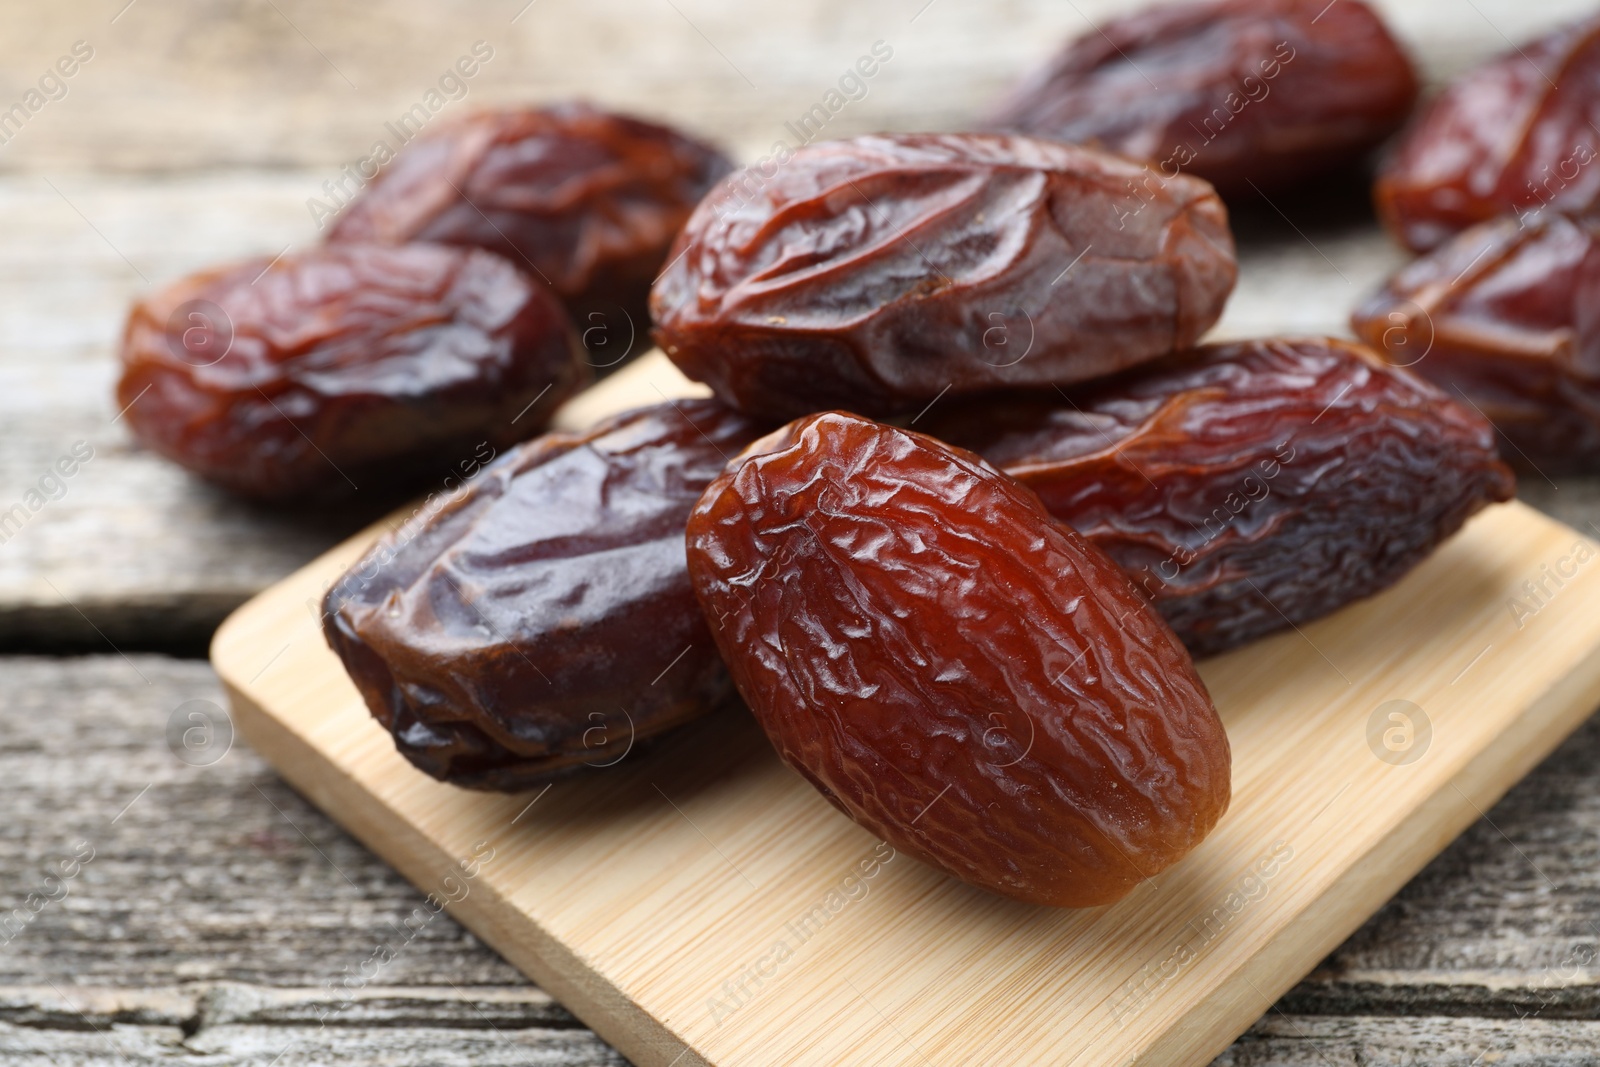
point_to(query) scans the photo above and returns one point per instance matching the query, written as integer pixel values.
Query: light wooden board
(652, 898)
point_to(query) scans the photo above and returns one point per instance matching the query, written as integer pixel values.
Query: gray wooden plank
(219, 904)
(129, 549)
(1283, 1041)
(1301, 1041)
(186, 84)
(220, 911)
(136, 553)
(200, 872)
(198, 133)
(196, 1005)
(227, 1046)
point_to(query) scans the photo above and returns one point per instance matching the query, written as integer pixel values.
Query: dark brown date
(875, 274)
(541, 619)
(968, 679)
(1245, 487)
(1238, 92)
(1507, 316)
(321, 372)
(585, 199)
(1516, 135)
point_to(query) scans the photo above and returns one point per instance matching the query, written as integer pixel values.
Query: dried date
(588, 200)
(1507, 315)
(321, 372)
(1239, 92)
(877, 273)
(1515, 135)
(540, 619)
(1247, 487)
(966, 678)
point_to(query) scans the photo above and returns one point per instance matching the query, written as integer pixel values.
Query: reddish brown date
(1507, 316)
(1238, 92)
(878, 273)
(585, 199)
(1516, 135)
(540, 619)
(968, 679)
(1247, 487)
(322, 372)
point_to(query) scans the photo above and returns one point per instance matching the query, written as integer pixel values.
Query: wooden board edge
(1357, 894)
(597, 1003)
(1206, 1029)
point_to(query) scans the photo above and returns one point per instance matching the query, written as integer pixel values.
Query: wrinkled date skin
(587, 200)
(1233, 91)
(1245, 487)
(1515, 135)
(955, 671)
(875, 274)
(1507, 315)
(326, 371)
(541, 619)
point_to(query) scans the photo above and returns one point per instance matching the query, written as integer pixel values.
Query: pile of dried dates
(970, 492)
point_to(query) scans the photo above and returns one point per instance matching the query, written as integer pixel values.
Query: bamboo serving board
(698, 903)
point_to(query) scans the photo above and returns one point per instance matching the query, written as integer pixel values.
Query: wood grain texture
(666, 900)
(198, 132)
(130, 550)
(137, 554)
(210, 909)
(189, 84)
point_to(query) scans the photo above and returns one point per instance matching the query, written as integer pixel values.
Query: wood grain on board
(671, 901)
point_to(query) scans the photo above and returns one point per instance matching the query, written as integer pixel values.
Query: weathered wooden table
(204, 914)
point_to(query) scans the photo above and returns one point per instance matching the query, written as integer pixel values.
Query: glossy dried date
(1245, 487)
(1234, 91)
(966, 678)
(321, 372)
(877, 273)
(541, 619)
(1516, 135)
(585, 199)
(1507, 315)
